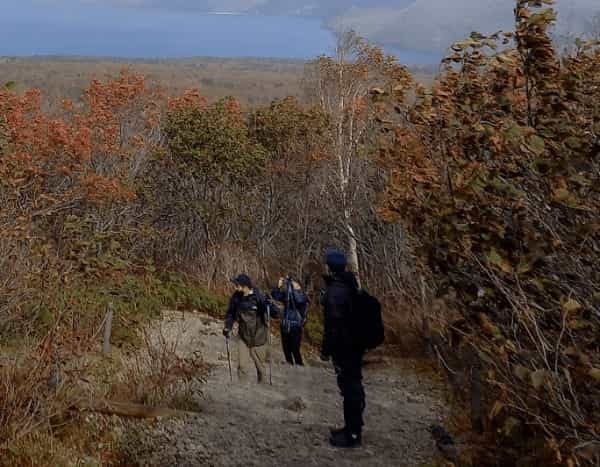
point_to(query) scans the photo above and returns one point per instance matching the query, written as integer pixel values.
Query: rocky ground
(287, 423)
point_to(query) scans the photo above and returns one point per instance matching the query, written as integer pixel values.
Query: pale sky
(421, 25)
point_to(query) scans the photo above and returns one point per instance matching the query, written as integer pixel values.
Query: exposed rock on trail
(287, 424)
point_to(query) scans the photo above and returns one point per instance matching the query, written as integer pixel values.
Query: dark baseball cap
(243, 280)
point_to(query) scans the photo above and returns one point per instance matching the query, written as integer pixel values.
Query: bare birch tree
(350, 88)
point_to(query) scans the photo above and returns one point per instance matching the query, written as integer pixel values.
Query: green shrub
(135, 299)
(313, 330)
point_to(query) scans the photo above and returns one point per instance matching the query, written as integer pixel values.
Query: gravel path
(287, 424)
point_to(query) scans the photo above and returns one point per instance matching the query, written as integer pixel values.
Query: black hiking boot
(345, 439)
(335, 431)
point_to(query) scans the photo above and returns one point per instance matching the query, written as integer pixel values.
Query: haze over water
(128, 33)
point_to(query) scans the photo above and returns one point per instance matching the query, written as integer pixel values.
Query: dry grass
(404, 326)
(41, 382)
(34, 397)
(37, 425)
(31, 394)
(160, 374)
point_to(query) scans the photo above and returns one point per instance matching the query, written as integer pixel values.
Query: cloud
(432, 25)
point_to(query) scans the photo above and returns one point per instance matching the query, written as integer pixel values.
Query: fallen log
(128, 409)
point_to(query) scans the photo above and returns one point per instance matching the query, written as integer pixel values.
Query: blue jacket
(295, 305)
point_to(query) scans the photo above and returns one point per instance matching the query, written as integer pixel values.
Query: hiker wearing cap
(341, 289)
(248, 308)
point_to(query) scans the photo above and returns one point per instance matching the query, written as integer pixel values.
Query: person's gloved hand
(226, 332)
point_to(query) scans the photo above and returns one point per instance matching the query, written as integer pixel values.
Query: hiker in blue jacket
(295, 303)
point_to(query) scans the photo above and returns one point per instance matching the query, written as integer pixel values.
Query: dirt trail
(287, 424)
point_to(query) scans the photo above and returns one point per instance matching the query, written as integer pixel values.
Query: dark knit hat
(242, 280)
(336, 260)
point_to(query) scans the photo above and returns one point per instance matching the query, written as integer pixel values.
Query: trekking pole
(269, 343)
(229, 359)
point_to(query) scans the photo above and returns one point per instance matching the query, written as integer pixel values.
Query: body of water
(128, 33)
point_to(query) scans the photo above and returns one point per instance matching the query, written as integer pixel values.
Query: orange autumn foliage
(494, 172)
(85, 153)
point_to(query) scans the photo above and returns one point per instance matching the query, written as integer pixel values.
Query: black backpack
(367, 321)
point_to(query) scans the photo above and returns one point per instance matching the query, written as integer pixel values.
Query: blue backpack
(295, 309)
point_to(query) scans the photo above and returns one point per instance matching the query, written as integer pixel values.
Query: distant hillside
(253, 81)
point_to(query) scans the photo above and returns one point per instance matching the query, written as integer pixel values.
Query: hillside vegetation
(254, 82)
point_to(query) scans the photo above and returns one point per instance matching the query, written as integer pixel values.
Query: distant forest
(254, 81)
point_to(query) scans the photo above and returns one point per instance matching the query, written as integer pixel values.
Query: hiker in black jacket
(248, 307)
(295, 303)
(341, 288)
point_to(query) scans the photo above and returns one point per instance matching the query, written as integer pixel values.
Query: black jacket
(250, 313)
(340, 291)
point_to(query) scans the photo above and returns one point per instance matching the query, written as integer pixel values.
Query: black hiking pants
(348, 368)
(290, 341)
